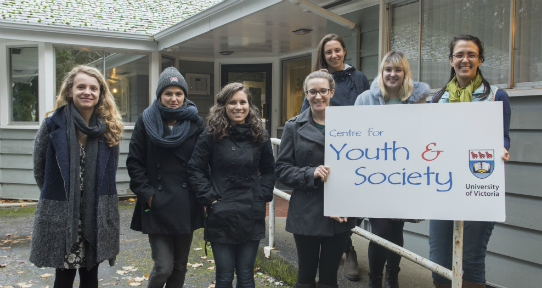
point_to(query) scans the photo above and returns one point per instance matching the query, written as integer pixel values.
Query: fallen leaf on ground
(211, 268)
(46, 275)
(211, 261)
(147, 276)
(134, 284)
(20, 272)
(197, 265)
(197, 249)
(121, 272)
(211, 286)
(5, 248)
(132, 199)
(203, 257)
(139, 279)
(24, 285)
(188, 264)
(128, 267)
(3, 265)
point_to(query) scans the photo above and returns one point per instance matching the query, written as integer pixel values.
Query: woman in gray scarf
(76, 153)
(162, 143)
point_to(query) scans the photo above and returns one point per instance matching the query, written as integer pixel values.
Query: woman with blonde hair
(237, 150)
(393, 85)
(76, 152)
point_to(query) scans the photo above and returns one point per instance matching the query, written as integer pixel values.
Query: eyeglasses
(322, 91)
(460, 56)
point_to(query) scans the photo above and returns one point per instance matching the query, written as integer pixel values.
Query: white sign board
(423, 161)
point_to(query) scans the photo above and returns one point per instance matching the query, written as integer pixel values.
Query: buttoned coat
(162, 173)
(241, 181)
(301, 151)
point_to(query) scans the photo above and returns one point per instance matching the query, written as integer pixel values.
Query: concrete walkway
(411, 276)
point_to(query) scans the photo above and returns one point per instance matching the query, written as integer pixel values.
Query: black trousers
(87, 278)
(391, 230)
(319, 253)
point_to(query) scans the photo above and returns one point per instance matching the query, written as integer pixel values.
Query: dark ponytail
(478, 43)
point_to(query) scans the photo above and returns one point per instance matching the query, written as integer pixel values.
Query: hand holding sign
(322, 172)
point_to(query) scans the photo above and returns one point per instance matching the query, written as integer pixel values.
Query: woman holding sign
(393, 85)
(467, 84)
(320, 240)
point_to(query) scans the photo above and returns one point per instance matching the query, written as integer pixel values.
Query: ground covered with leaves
(132, 266)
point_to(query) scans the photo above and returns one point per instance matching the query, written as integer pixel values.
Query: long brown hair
(321, 58)
(106, 107)
(219, 123)
(478, 43)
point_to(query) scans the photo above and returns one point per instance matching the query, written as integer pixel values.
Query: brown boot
(437, 285)
(312, 285)
(351, 270)
(320, 285)
(467, 284)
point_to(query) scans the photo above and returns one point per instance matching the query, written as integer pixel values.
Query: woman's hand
(340, 219)
(150, 201)
(505, 156)
(322, 172)
(214, 202)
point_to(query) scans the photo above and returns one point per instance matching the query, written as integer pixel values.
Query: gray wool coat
(373, 96)
(51, 170)
(301, 151)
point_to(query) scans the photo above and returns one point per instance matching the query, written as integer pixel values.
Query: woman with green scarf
(467, 85)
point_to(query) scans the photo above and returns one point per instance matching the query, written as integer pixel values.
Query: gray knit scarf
(82, 204)
(154, 116)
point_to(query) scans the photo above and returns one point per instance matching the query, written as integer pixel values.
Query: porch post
(46, 79)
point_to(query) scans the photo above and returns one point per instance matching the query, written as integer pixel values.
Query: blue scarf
(154, 116)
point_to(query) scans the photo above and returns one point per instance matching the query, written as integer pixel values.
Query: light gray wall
(203, 102)
(515, 248)
(16, 165)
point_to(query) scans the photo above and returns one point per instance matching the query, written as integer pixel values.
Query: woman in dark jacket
(76, 152)
(349, 83)
(162, 142)
(393, 85)
(320, 240)
(238, 152)
(467, 84)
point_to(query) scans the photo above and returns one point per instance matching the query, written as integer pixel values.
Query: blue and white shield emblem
(482, 162)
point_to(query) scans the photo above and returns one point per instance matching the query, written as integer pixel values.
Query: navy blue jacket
(349, 83)
(52, 173)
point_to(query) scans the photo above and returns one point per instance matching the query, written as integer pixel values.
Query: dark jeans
(323, 253)
(475, 238)
(88, 279)
(392, 231)
(170, 255)
(239, 257)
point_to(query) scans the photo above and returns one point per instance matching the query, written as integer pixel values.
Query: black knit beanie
(171, 77)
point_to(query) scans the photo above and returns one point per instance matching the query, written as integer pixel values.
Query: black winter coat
(162, 173)
(301, 151)
(241, 180)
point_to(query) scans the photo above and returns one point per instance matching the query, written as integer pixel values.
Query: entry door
(257, 77)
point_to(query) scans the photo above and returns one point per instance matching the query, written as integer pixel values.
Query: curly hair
(106, 107)
(219, 123)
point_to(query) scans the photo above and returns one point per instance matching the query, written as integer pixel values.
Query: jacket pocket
(259, 209)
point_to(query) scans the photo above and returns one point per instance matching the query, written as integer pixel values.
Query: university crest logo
(482, 162)
(173, 79)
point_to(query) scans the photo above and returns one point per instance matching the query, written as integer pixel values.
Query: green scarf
(458, 94)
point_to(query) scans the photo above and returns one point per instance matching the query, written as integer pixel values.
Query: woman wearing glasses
(467, 84)
(349, 83)
(393, 85)
(320, 240)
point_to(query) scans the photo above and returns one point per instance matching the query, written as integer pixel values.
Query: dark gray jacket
(301, 151)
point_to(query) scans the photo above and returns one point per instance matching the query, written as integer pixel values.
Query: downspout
(356, 30)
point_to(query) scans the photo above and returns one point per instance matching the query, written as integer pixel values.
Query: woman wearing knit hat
(162, 143)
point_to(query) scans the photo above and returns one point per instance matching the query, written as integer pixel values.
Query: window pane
(488, 20)
(528, 54)
(24, 83)
(405, 32)
(167, 62)
(293, 75)
(128, 78)
(66, 59)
